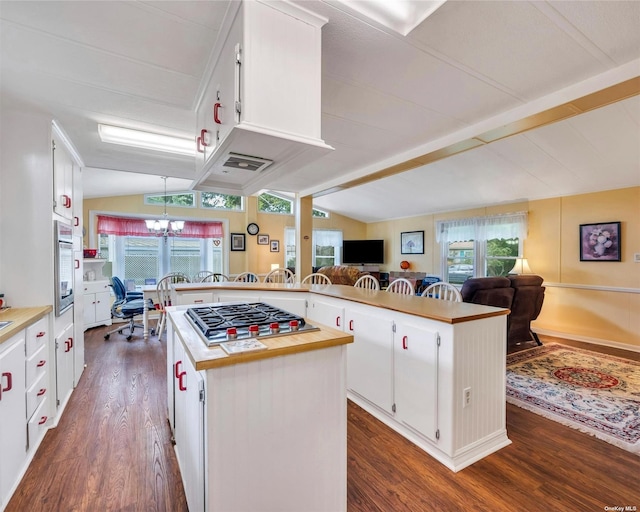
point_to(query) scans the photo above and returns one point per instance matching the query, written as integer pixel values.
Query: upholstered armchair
(341, 274)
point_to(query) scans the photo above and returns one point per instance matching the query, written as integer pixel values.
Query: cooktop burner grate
(227, 321)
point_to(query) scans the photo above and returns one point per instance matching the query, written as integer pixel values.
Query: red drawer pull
(176, 370)
(405, 346)
(66, 201)
(337, 321)
(77, 263)
(351, 325)
(41, 363)
(9, 377)
(42, 392)
(216, 108)
(68, 344)
(199, 145)
(76, 221)
(181, 386)
(40, 334)
(43, 420)
(203, 137)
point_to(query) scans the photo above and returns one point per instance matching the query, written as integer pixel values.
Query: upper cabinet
(62, 179)
(260, 114)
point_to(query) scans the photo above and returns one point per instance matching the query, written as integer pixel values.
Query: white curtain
(512, 225)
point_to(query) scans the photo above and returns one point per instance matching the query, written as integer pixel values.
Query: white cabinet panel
(64, 365)
(324, 311)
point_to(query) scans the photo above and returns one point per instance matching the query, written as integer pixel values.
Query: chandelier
(164, 227)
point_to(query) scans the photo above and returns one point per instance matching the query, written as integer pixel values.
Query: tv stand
(374, 270)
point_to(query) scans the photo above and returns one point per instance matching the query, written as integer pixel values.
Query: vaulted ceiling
(389, 103)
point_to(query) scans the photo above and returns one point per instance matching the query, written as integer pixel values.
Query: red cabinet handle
(42, 392)
(337, 321)
(41, 363)
(181, 385)
(76, 221)
(40, 334)
(404, 343)
(216, 108)
(351, 325)
(66, 201)
(176, 370)
(77, 263)
(68, 344)
(9, 377)
(199, 145)
(43, 420)
(203, 137)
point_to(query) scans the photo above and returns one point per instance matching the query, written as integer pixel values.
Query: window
(481, 246)
(269, 203)
(326, 247)
(182, 199)
(319, 213)
(218, 201)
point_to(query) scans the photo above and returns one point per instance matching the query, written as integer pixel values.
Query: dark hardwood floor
(111, 451)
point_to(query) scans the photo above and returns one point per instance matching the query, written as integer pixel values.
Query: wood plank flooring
(111, 451)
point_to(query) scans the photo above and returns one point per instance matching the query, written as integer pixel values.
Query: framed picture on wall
(600, 242)
(275, 245)
(263, 239)
(412, 242)
(237, 241)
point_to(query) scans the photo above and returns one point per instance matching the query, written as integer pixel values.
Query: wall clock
(253, 228)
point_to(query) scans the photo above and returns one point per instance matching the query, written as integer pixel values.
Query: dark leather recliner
(522, 294)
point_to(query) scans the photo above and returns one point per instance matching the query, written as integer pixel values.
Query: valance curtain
(512, 225)
(123, 226)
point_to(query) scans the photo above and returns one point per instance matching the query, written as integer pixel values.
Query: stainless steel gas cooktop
(228, 321)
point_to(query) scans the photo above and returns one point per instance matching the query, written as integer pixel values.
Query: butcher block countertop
(433, 309)
(207, 358)
(21, 318)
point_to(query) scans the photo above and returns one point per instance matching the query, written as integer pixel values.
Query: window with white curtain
(326, 247)
(480, 246)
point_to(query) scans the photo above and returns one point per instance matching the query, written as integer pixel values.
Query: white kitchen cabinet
(416, 378)
(189, 429)
(38, 380)
(370, 356)
(64, 366)
(263, 98)
(96, 303)
(13, 434)
(326, 311)
(63, 169)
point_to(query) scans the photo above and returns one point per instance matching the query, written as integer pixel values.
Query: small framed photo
(263, 239)
(275, 245)
(237, 241)
(412, 242)
(600, 242)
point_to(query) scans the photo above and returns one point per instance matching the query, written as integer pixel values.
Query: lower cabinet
(96, 303)
(13, 434)
(64, 365)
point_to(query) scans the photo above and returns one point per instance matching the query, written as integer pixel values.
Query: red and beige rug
(595, 393)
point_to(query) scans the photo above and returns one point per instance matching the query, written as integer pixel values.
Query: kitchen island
(264, 430)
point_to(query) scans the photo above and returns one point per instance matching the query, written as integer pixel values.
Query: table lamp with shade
(521, 266)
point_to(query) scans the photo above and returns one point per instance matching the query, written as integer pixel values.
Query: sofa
(523, 294)
(341, 274)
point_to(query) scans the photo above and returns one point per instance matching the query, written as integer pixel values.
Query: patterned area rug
(594, 393)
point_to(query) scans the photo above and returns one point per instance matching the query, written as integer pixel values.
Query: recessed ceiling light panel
(146, 140)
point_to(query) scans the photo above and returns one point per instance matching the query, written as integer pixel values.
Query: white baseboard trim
(587, 339)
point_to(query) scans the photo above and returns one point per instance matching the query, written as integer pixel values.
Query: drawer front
(37, 335)
(36, 395)
(95, 286)
(37, 365)
(37, 425)
(195, 298)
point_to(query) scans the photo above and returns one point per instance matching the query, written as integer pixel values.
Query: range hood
(259, 116)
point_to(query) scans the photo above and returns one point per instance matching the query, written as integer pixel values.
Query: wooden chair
(402, 286)
(442, 291)
(280, 275)
(368, 282)
(209, 277)
(316, 278)
(165, 297)
(247, 277)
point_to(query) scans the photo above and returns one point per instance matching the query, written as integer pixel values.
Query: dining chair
(280, 275)
(402, 286)
(209, 277)
(247, 277)
(316, 278)
(164, 291)
(368, 282)
(442, 291)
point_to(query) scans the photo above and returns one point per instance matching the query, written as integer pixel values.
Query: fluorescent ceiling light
(146, 140)
(401, 16)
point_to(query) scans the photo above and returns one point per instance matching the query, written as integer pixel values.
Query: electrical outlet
(636, 257)
(466, 397)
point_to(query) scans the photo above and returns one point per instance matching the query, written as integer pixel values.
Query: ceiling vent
(245, 162)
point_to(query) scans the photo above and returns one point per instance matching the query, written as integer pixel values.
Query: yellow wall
(256, 258)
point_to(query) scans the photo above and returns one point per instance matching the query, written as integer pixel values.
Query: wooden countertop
(434, 309)
(21, 318)
(207, 358)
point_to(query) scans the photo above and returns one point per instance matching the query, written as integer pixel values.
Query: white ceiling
(471, 66)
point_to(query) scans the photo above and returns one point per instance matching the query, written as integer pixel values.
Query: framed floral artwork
(412, 242)
(600, 242)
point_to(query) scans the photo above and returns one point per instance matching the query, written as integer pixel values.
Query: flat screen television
(362, 252)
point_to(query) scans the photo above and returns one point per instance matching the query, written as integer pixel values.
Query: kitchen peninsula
(432, 370)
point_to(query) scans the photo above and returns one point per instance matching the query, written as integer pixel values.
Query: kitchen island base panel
(277, 434)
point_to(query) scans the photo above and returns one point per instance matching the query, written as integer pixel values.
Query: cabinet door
(189, 429)
(103, 306)
(297, 306)
(370, 356)
(62, 180)
(13, 420)
(326, 313)
(64, 365)
(416, 378)
(89, 308)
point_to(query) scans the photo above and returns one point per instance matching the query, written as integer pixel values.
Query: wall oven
(64, 267)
